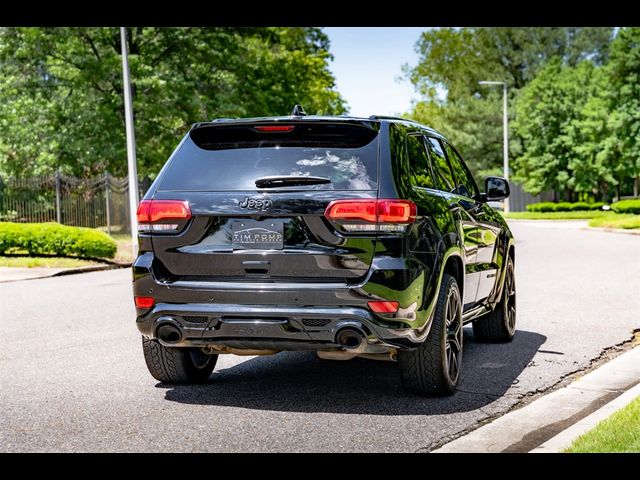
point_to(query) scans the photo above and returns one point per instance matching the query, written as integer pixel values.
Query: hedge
(579, 207)
(55, 239)
(564, 206)
(627, 206)
(541, 207)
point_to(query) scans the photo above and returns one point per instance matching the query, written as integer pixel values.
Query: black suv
(345, 236)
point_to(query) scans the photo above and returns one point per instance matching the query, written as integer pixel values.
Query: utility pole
(131, 141)
(505, 135)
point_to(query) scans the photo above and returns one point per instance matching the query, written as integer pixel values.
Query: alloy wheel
(453, 346)
(510, 299)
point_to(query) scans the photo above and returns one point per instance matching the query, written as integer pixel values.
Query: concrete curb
(37, 273)
(635, 231)
(90, 268)
(531, 426)
(565, 438)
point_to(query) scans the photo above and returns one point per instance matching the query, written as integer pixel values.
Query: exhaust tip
(169, 333)
(350, 338)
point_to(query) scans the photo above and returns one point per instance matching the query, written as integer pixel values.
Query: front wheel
(434, 367)
(177, 364)
(499, 326)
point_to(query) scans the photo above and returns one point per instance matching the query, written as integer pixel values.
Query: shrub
(55, 239)
(627, 206)
(562, 207)
(541, 207)
(579, 206)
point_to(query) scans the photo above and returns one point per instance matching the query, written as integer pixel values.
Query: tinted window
(419, 162)
(440, 165)
(232, 158)
(465, 185)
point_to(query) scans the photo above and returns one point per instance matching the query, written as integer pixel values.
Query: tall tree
(562, 119)
(61, 89)
(624, 82)
(453, 60)
(581, 125)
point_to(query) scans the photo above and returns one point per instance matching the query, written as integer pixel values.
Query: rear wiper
(291, 180)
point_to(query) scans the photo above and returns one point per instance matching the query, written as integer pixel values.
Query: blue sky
(368, 61)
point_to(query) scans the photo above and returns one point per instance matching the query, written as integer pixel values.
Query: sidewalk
(529, 427)
(14, 274)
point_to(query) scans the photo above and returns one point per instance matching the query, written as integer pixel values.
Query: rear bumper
(276, 328)
(276, 316)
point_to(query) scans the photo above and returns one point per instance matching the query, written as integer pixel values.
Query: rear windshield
(223, 158)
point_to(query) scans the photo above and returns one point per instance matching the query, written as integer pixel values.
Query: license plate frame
(257, 235)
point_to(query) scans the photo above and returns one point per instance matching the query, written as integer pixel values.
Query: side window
(465, 185)
(440, 166)
(419, 162)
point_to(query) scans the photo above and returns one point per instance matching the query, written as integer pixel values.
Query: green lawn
(581, 215)
(616, 220)
(619, 433)
(51, 262)
(124, 253)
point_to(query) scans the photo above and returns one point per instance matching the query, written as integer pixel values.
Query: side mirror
(496, 188)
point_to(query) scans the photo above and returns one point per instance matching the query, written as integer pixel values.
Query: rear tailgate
(241, 232)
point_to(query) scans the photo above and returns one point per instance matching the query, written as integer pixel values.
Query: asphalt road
(72, 375)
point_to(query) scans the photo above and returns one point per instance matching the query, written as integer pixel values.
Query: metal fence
(519, 199)
(82, 202)
(104, 202)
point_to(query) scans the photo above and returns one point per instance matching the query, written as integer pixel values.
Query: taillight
(364, 215)
(383, 306)
(144, 302)
(162, 215)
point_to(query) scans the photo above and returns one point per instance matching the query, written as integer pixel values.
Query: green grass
(124, 252)
(579, 215)
(49, 262)
(620, 433)
(616, 220)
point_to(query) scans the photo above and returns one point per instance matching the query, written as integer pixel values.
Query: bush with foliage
(55, 239)
(541, 207)
(564, 206)
(580, 207)
(627, 206)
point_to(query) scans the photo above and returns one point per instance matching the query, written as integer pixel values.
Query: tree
(61, 89)
(581, 125)
(624, 125)
(453, 60)
(562, 120)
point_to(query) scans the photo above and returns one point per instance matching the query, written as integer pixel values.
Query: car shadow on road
(300, 382)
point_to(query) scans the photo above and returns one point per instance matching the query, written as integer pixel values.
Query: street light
(131, 142)
(505, 126)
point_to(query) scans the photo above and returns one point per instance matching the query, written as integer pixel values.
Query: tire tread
(422, 370)
(172, 365)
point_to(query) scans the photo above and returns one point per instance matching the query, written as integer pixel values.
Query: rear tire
(499, 326)
(177, 364)
(434, 367)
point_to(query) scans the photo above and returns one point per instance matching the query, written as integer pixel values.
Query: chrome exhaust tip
(168, 333)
